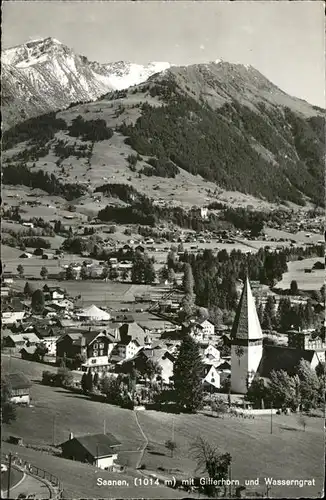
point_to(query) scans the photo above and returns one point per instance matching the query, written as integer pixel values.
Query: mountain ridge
(45, 75)
(225, 122)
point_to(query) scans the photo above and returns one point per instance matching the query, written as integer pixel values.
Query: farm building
(97, 449)
(20, 388)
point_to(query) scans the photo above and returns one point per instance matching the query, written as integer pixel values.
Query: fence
(33, 470)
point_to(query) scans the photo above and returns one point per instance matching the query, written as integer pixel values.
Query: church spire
(246, 324)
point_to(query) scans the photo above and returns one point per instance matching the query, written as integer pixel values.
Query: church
(249, 358)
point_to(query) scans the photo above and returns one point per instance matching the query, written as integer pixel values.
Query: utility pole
(230, 478)
(96, 454)
(172, 429)
(53, 431)
(271, 417)
(9, 473)
(104, 426)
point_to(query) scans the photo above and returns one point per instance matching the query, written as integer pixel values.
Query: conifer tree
(188, 375)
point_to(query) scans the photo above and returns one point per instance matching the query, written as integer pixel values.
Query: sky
(284, 40)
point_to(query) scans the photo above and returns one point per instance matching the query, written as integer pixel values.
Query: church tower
(246, 342)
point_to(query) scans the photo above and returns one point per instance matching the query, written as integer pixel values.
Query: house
(54, 292)
(28, 352)
(91, 349)
(20, 388)
(211, 378)
(11, 318)
(5, 291)
(211, 352)
(97, 449)
(131, 339)
(202, 330)
(163, 358)
(51, 344)
(20, 340)
(47, 256)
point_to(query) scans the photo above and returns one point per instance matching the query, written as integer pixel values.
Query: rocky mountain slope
(45, 75)
(223, 122)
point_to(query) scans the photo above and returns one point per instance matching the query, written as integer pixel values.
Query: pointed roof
(95, 312)
(246, 324)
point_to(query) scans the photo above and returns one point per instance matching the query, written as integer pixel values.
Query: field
(289, 453)
(306, 281)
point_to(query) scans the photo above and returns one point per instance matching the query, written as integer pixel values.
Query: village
(122, 348)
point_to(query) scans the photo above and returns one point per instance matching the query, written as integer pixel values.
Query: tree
(71, 273)
(269, 313)
(8, 410)
(211, 461)
(310, 387)
(64, 377)
(188, 280)
(40, 351)
(257, 392)
(105, 272)
(188, 375)
(149, 272)
(294, 289)
(219, 406)
(44, 272)
(171, 445)
(113, 274)
(89, 381)
(20, 271)
(38, 301)
(110, 386)
(284, 390)
(152, 368)
(28, 290)
(95, 379)
(84, 274)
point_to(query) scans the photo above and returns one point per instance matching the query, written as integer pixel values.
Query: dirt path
(142, 451)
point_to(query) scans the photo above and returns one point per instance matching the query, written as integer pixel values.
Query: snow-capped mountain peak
(44, 74)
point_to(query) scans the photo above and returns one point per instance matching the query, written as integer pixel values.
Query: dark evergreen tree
(294, 289)
(38, 301)
(28, 290)
(188, 375)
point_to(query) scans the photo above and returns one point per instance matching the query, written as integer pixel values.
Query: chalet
(54, 292)
(20, 388)
(92, 349)
(100, 450)
(48, 256)
(11, 318)
(211, 378)
(210, 352)
(201, 331)
(20, 340)
(131, 339)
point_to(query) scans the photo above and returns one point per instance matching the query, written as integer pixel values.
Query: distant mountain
(226, 123)
(45, 75)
